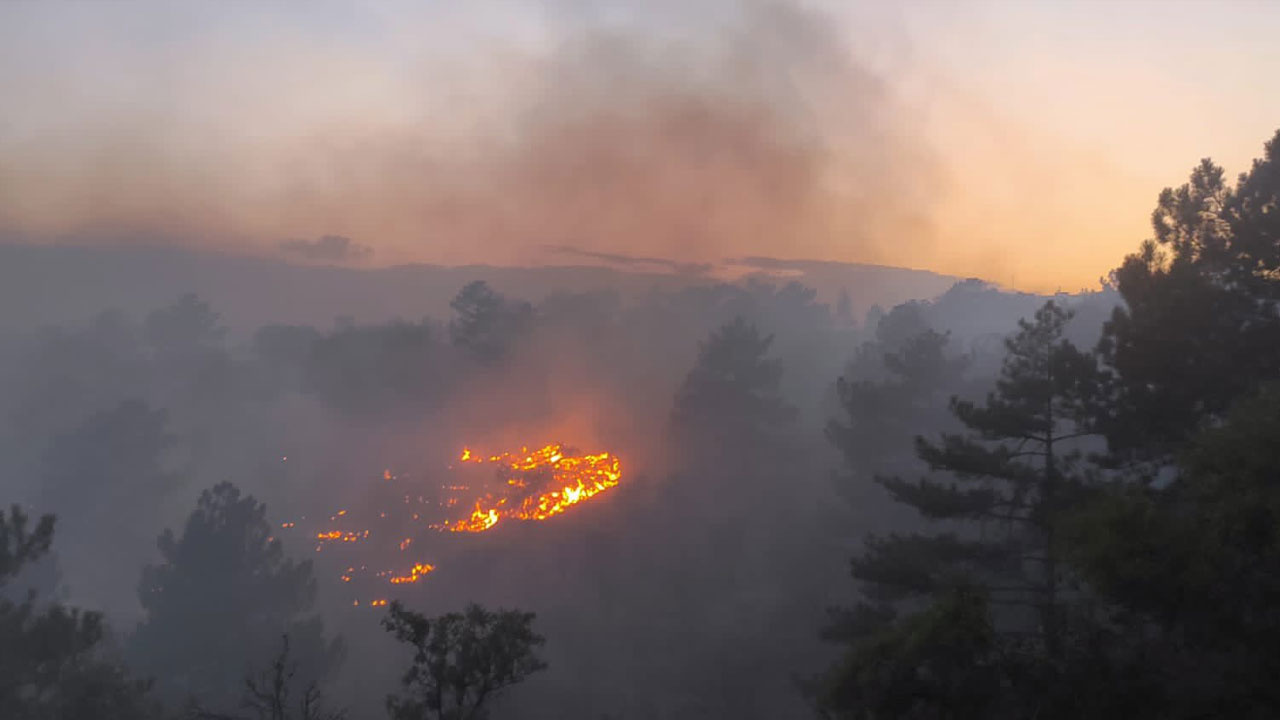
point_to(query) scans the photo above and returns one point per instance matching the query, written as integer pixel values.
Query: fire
(340, 536)
(572, 479)
(531, 484)
(415, 573)
(479, 521)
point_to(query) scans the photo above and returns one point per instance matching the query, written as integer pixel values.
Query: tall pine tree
(222, 596)
(1200, 324)
(991, 580)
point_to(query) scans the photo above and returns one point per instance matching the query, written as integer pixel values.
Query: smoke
(633, 261)
(738, 128)
(329, 248)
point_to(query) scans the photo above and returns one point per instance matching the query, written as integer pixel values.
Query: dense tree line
(1101, 539)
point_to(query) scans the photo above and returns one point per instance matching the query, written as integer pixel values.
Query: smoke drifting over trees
(653, 130)
(713, 395)
(246, 474)
(688, 469)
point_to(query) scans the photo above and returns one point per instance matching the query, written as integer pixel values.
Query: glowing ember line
(574, 479)
(416, 573)
(528, 484)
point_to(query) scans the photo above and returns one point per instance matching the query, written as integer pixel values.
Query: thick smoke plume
(739, 128)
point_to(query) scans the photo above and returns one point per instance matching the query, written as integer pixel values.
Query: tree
(485, 323)
(844, 309)
(189, 362)
(881, 416)
(223, 589)
(267, 695)
(1200, 326)
(943, 662)
(1010, 481)
(1192, 569)
(461, 661)
(729, 518)
(53, 665)
(731, 433)
(730, 405)
(94, 477)
(283, 353)
(376, 369)
(65, 376)
(184, 330)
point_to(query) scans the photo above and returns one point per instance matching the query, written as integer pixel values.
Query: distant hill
(57, 284)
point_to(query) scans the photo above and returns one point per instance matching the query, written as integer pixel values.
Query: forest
(695, 498)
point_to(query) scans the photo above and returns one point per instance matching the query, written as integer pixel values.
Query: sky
(1020, 142)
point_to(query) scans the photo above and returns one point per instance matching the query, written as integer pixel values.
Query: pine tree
(1194, 566)
(222, 595)
(1200, 324)
(485, 323)
(880, 416)
(53, 663)
(729, 407)
(1006, 485)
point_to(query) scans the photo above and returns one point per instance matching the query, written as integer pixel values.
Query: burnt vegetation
(976, 504)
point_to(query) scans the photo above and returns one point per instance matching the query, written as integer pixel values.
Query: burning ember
(526, 485)
(565, 481)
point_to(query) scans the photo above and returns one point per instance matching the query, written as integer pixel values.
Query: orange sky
(1020, 142)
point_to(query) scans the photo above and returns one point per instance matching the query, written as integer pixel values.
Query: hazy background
(1015, 141)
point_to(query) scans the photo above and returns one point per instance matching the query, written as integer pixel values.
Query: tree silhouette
(461, 661)
(882, 416)
(1200, 326)
(268, 695)
(184, 330)
(94, 476)
(735, 449)
(376, 369)
(485, 323)
(730, 402)
(1010, 481)
(1194, 568)
(223, 589)
(942, 662)
(52, 662)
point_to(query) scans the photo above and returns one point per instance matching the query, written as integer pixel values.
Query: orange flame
(573, 479)
(415, 573)
(527, 485)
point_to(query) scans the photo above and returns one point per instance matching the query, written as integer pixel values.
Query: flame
(346, 537)
(415, 573)
(573, 480)
(529, 484)
(479, 521)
